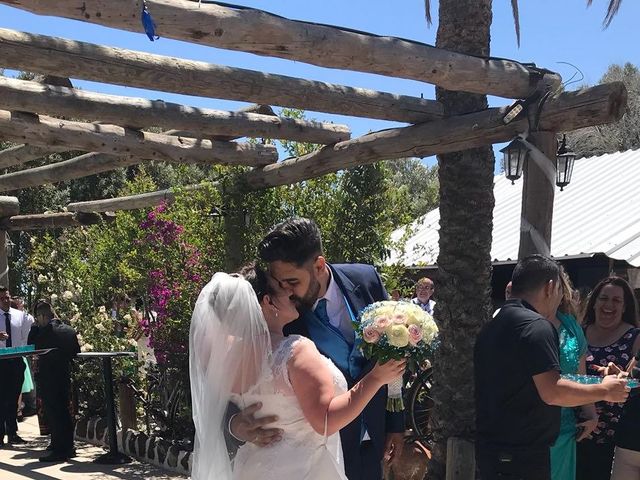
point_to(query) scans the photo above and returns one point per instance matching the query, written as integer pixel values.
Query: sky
(552, 31)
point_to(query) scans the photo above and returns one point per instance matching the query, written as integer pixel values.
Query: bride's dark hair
(257, 278)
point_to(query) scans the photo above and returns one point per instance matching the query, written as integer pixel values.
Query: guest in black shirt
(517, 378)
(54, 378)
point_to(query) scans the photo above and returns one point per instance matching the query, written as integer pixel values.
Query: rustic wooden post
(537, 195)
(461, 459)
(235, 223)
(8, 206)
(127, 404)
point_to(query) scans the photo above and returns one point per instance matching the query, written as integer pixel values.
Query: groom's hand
(244, 426)
(393, 448)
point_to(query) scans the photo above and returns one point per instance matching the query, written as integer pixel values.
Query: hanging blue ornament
(148, 23)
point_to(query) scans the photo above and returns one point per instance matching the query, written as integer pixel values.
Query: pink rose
(399, 319)
(415, 334)
(381, 323)
(370, 334)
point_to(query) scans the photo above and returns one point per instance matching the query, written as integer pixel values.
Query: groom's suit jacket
(361, 285)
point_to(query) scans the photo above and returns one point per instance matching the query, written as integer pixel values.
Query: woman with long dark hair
(611, 327)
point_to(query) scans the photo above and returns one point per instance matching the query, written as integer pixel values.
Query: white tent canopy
(598, 213)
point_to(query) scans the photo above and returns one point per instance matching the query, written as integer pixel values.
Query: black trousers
(513, 464)
(55, 398)
(594, 460)
(363, 463)
(11, 379)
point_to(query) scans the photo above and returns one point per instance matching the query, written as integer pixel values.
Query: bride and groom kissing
(279, 386)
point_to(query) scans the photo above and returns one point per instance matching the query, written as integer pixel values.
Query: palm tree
(612, 10)
(466, 219)
(464, 261)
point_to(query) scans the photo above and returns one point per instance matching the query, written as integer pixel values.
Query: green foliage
(621, 135)
(163, 257)
(416, 187)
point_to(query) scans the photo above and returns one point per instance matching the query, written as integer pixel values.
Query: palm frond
(612, 10)
(516, 19)
(427, 11)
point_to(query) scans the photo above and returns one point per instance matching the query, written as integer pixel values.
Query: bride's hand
(384, 373)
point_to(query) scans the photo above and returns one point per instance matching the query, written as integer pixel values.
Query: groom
(329, 298)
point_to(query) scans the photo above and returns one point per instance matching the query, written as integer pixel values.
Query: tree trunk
(466, 219)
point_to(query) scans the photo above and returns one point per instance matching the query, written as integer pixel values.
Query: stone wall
(148, 449)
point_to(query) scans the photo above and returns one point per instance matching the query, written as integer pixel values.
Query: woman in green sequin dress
(573, 349)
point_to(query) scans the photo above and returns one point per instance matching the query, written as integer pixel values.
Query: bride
(237, 353)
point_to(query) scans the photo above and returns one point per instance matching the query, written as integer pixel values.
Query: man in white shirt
(424, 291)
(14, 332)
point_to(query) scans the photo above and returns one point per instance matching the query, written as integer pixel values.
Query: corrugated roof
(599, 212)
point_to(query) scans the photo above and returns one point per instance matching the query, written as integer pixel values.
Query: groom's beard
(306, 303)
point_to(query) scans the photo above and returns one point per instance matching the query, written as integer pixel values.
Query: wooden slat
(262, 33)
(601, 104)
(45, 131)
(50, 221)
(39, 53)
(592, 106)
(129, 202)
(22, 153)
(77, 167)
(139, 113)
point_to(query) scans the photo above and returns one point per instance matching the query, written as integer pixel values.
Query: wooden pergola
(109, 128)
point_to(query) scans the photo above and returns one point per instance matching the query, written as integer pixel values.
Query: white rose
(42, 278)
(67, 295)
(53, 297)
(101, 327)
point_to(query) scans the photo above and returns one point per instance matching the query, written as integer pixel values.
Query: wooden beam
(44, 131)
(19, 154)
(538, 191)
(4, 260)
(49, 221)
(259, 32)
(129, 202)
(9, 206)
(139, 113)
(77, 167)
(569, 111)
(592, 106)
(39, 53)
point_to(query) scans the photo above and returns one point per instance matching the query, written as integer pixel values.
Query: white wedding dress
(302, 454)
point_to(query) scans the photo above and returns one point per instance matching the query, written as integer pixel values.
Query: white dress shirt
(20, 325)
(427, 307)
(337, 310)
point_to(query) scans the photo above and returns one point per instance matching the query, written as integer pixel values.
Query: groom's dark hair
(532, 273)
(296, 240)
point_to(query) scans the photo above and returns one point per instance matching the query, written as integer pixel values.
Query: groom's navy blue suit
(361, 285)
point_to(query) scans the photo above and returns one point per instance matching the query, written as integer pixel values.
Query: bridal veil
(229, 353)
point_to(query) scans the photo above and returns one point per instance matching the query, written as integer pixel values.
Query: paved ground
(21, 462)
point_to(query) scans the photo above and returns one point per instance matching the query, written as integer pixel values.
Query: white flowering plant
(396, 330)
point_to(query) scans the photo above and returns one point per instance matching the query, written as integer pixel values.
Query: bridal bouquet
(395, 330)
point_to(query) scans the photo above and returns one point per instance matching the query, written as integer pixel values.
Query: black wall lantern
(564, 164)
(513, 159)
